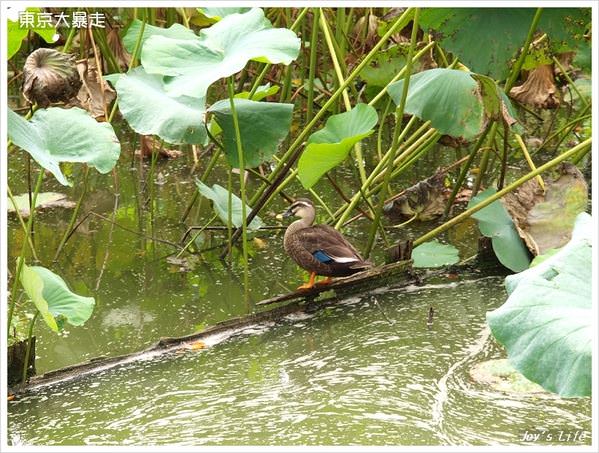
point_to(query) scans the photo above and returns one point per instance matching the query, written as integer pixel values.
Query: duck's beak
(288, 213)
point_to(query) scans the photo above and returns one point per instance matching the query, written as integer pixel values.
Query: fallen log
(398, 275)
(375, 276)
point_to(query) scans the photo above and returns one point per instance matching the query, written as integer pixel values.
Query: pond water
(364, 371)
(367, 371)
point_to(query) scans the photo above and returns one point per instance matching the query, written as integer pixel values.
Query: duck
(319, 249)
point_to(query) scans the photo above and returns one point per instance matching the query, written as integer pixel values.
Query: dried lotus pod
(50, 76)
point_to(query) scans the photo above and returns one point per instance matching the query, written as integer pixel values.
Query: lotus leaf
(220, 51)
(330, 146)
(57, 135)
(546, 323)
(54, 300)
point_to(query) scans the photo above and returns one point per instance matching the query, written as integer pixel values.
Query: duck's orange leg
(326, 281)
(310, 283)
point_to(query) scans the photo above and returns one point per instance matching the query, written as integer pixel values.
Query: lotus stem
(28, 350)
(346, 210)
(184, 17)
(240, 157)
(69, 228)
(99, 69)
(359, 159)
(570, 82)
(531, 164)
(191, 241)
(312, 67)
(69, 41)
(485, 159)
(15, 285)
(203, 178)
(294, 151)
(504, 156)
(569, 125)
(399, 118)
(379, 135)
(585, 145)
(518, 66)
(21, 221)
(464, 171)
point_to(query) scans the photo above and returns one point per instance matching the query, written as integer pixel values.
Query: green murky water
(365, 372)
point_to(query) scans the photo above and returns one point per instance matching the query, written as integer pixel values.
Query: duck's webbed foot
(310, 283)
(326, 281)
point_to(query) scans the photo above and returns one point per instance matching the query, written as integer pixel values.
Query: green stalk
(529, 161)
(240, 157)
(569, 125)
(585, 145)
(285, 159)
(15, 285)
(207, 172)
(181, 11)
(132, 64)
(379, 135)
(230, 210)
(312, 68)
(294, 151)
(346, 209)
(464, 171)
(69, 41)
(408, 159)
(69, 228)
(106, 51)
(518, 66)
(357, 149)
(28, 350)
(191, 241)
(137, 48)
(484, 159)
(21, 221)
(570, 82)
(399, 118)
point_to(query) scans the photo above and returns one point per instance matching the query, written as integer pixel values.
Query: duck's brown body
(320, 249)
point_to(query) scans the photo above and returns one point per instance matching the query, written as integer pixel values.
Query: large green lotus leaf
(175, 31)
(150, 110)
(495, 222)
(219, 13)
(546, 323)
(16, 34)
(54, 300)
(329, 146)
(434, 254)
(220, 202)
(262, 126)
(449, 98)
(57, 135)
(486, 39)
(220, 51)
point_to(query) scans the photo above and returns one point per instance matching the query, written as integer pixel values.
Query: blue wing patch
(322, 256)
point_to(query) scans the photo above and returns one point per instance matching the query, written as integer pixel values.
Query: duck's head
(302, 207)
